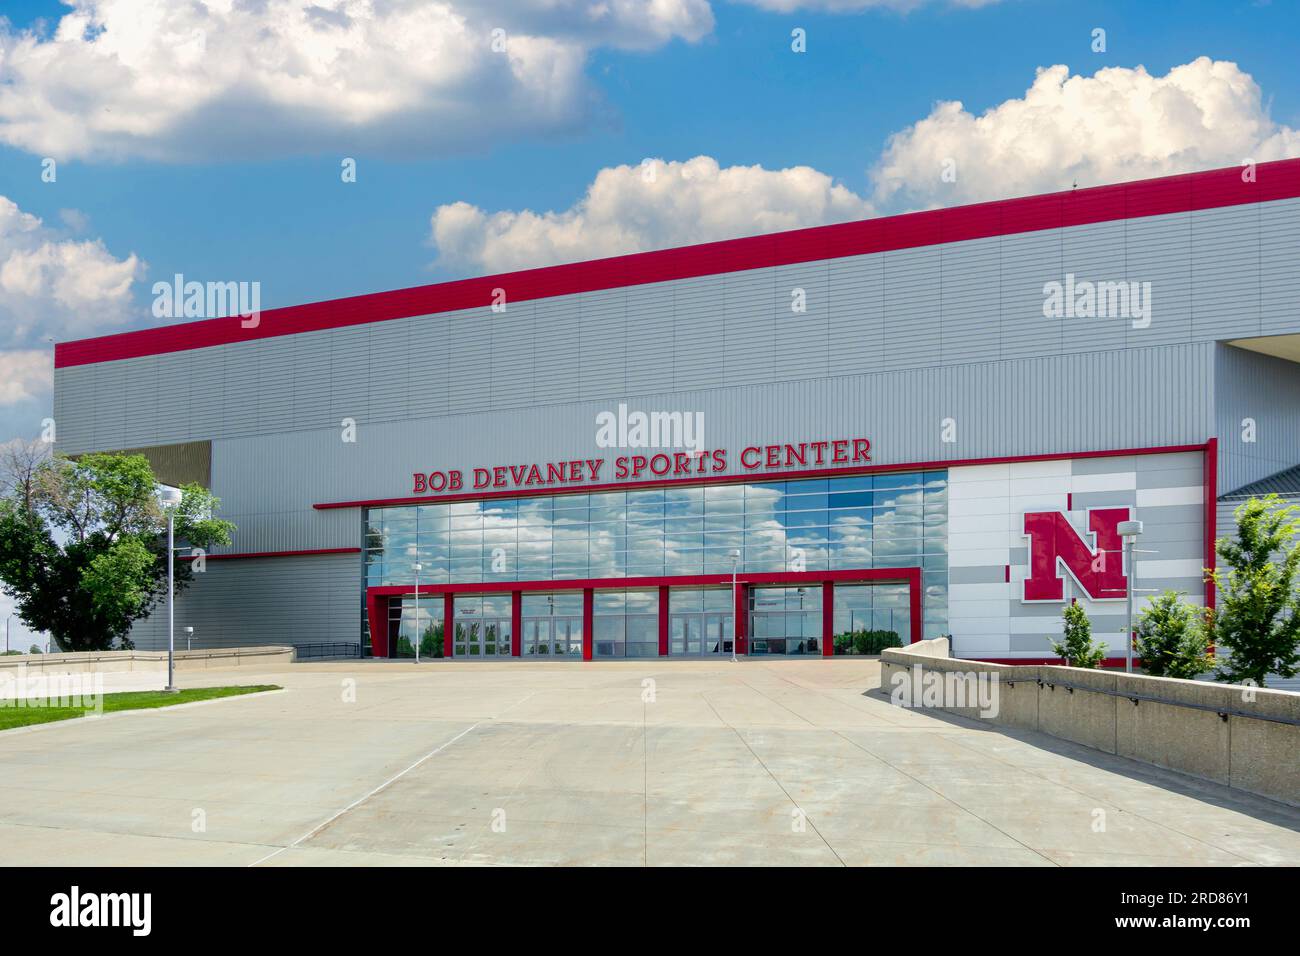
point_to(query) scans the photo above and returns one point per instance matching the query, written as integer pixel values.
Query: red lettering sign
(642, 467)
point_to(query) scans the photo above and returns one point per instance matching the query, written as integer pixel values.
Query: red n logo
(1053, 540)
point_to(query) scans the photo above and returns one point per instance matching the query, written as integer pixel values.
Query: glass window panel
(801, 519)
(399, 519)
(805, 502)
(902, 499)
(725, 506)
(807, 486)
(851, 499)
(678, 562)
(909, 479)
(762, 493)
(852, 517)
(715, 599)
(768, 520)
(608, 627)
(680, 525)
(645, 526)
(643, 602)
(645, 502)
(851, 483)
(683, 501)
(724, 539)
(608, 602)
(684, 541)
(727, 522)
(612, 504)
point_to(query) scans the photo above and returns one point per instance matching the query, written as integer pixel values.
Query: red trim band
(1213, 189)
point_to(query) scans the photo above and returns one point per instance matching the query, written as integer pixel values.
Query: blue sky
(735, 93)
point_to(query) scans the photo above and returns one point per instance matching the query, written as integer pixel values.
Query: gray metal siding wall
(1068, 403)
(1215, 274)
(1248, 385)
(264, 601)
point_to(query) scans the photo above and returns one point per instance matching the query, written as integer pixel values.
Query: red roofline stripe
(1214, 189)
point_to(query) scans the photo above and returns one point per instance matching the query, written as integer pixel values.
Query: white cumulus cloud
(1119, 124)
(25, 374)
(653, 205)
(212, 79)
(54, 287)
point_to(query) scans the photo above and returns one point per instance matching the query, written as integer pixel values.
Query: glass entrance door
(488, 637)
(684, 634)
(696, 635)
(785, 620)
(717, 633)
(553, 637)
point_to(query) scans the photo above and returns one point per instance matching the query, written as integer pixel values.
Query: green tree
(1256, 620)
(1076, 644)
(83, 545)
(1172, 639)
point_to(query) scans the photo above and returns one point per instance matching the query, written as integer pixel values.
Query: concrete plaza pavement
(627, 763)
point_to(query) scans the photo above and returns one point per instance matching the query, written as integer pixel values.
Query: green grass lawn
(13, 716)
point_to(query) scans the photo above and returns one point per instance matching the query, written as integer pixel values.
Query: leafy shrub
(866, 641)
(1172, 639)
(1076, 644)
(1258, 618)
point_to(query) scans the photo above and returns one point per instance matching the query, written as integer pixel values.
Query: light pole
(189, 633)
(417, 568)
(1129, 531)
(171, 499)
(9, 620)
(735, 611)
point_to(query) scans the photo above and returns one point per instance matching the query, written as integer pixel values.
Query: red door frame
(377, 598)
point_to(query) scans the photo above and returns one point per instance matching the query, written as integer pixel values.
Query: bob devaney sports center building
(921, 425)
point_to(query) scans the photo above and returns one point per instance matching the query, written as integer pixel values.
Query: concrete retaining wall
(90, 662)
(1219, 732)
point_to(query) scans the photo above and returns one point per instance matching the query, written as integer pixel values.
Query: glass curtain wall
(824, 524)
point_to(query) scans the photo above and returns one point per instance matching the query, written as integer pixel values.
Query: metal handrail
(322, 649)
(1223, 712)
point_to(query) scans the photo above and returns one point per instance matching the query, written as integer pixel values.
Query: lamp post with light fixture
(171, 500)
(735, 612)
(1129, 531)
(417, 568)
